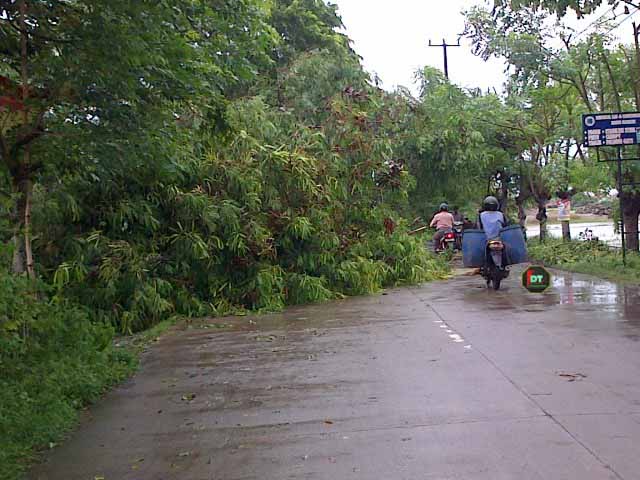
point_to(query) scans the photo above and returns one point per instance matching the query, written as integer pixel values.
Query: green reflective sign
(536, 279)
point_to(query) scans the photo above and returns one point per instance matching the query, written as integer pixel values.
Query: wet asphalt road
(444, 381)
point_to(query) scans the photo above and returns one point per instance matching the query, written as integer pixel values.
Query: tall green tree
(442, 144)
(94, 64)
(560, 7)
(249, 180)
(304, 26)
(599, 73)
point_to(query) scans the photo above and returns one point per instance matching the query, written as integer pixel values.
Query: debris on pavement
(572, 377)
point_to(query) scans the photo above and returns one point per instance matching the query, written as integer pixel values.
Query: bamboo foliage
(259, 222)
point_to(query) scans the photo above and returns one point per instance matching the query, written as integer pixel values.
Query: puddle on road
(600, 294)
(584, 293)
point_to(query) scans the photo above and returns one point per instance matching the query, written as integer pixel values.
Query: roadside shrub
(556, 252)
(594, 258)
(406, 259)
(307, 289)
(53, 360)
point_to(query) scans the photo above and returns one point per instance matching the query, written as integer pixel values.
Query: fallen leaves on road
(207, 326)
(266, 338)
(572, 377)
(188, 397)
(328, 422)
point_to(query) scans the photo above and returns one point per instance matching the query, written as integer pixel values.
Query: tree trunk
(522, 213)
(582, 89)
(23, 185)
(543, 230)
(566, 231)
(23, 261)
(631, 210)
(18, 261)
(504, 194)
(614, 83)
(542, 218)
(601, 90)
(631, 230)
(27, 191)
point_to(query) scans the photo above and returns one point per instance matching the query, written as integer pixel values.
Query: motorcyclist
(457, 216)
(492, 220)
(442, 221)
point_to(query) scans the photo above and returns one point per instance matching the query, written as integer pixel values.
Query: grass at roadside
(55, 358)
(47, 378)
(65, 364)
(593, 258)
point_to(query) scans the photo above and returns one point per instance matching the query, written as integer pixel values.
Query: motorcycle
(448, 241)
(494, 269)
(587, 236)
(458, 228)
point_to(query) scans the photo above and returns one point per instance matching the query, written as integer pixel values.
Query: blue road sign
(611, 129)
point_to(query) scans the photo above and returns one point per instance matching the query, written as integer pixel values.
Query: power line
(628, 17)
(611, 10)
(598, 23)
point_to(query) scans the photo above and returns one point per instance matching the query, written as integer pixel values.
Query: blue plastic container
(474, 243)
(515, 245)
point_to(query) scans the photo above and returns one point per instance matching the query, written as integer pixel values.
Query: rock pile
(594, 209)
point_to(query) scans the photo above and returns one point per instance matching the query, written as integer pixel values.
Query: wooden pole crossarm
(444, 45)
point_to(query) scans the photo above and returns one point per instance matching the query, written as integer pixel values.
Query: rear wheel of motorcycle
(496, 283)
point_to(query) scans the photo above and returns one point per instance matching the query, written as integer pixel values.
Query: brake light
(449, 236)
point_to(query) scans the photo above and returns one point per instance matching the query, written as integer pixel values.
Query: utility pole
(444, 45)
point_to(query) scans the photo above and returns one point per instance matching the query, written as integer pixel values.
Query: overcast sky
(392, 36)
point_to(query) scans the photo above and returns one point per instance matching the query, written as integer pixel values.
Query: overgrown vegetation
(53, 360)
(594, 258)
(198, 158)
(557, 73)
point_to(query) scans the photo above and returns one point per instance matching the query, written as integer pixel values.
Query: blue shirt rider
(492, 220)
